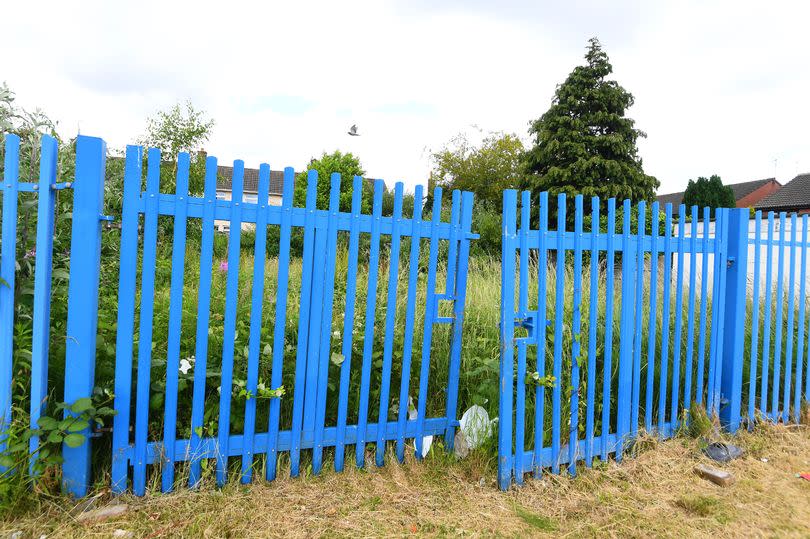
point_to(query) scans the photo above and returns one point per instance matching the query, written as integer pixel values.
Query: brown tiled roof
(794, 195)
(740, 190)
(251, 180)
(744, 189)
(672, 198)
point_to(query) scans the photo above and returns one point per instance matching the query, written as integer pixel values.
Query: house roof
(794, 195)
(672, 198)
(251, 180)
(741, 190)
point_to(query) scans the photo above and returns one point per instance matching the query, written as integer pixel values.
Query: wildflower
(186, 364)
(31, 253)
(223, 266)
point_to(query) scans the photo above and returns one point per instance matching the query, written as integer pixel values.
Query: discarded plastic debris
(427, 441)
(722, 452)
(476, 426)
(805, 476)
(718, 477)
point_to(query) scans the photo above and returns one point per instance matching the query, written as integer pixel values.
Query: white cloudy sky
(720, 87)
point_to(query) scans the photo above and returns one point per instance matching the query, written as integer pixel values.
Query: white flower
(185, 366)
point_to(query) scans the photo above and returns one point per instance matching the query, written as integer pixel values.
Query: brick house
(793, 197)
(746, 194)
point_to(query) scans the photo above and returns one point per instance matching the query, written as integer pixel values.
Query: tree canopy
(179, 129)
(348, 166)
(585, 143)
(486, 169)
(709, 192)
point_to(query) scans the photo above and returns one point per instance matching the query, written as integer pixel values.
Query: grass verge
(654, 493)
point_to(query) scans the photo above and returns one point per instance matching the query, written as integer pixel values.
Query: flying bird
(353, 131)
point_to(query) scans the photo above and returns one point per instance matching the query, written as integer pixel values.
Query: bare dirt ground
(654, 492)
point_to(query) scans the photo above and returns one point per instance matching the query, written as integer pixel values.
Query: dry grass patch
(654, 492)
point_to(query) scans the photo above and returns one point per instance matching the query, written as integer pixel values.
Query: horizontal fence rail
(615, 321)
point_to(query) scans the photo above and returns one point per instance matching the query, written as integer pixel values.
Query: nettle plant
(52, 432)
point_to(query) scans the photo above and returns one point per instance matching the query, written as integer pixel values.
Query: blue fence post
(734, 323)
(82, 319)
(8, 271)
(506, 390)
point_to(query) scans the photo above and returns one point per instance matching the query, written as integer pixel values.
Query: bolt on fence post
(734, 323)
(82, 318)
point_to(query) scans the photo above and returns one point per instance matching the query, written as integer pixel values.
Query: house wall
(763, 265)
(221, 225)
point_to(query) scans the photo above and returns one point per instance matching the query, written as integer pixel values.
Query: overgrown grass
(654, 493)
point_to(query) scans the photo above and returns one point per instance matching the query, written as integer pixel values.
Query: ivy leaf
(81, 405)
(74, 440)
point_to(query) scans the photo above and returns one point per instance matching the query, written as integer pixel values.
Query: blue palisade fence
(641, 362)
(614, 320)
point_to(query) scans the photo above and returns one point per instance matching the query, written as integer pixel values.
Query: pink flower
(223, 266)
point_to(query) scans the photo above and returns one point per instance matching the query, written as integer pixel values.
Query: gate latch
(527, 320)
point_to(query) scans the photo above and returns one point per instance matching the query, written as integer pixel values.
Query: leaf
(79, 425)
(199, 432)
(156, 401)
(6, 461)
(55, 437)
(81, 405)
(3, 282)
(337, 359)
(74, 440)
(106, 411)
(16, 448)
(47, 423)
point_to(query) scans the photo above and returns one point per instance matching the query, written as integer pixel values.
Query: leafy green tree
(348, 166)
(486, 169)
(179, 129)
(709, 192)
(585, 143)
